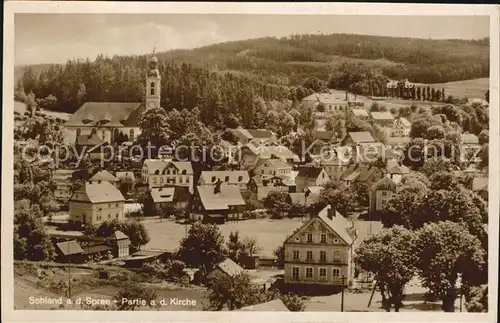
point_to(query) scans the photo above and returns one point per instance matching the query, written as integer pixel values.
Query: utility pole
(342, 295)
(69, 273)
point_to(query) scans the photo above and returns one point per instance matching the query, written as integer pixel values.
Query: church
(110, 122)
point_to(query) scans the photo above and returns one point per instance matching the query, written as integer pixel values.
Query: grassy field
(166, 234)
(470, 88)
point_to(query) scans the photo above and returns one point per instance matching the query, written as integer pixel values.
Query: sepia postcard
(213, 162)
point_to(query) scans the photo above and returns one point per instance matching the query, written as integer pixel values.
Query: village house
(261, 186)
(164, 172)
(480, 186)
(333, 165)
(114, 122)
(361, 114)
(217, 203)
(104, 175)
(96, 202)
(310, 176)
(239, 178)
(323, 141)
(396, 172)
(268, 168)
(310, 196)
(92, 146)
(125, 175)
(320, 252)
(256, 136)
(363, 148)
(469, 141)
(382, 119)
(331, 101)
(380, 193)
(170, 196)
(361, 173)
(229, 150)
(401, 127)
(251, 153)
(225, 270)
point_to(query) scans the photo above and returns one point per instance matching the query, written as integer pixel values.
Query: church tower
(153, 84)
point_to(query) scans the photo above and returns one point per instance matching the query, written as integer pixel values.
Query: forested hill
(272, 68)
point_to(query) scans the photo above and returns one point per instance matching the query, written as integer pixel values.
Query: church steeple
(153, 84)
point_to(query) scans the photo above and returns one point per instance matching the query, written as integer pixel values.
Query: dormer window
(214, 179)
(240, 178)
(226, 179)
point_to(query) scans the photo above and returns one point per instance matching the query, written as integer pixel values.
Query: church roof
(116, 114)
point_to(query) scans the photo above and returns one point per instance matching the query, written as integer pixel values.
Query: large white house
(114, 121)
(165, 172)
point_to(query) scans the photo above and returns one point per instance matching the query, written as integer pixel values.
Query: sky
(55, 38)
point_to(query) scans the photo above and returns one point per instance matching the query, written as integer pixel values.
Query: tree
(31, 241)
(435, 132)
(478, 299)
(155, 128)
(235, 246)
(361, 191)
(484, 137)
(135, 230)
(484, 155)
(147, 203)
(338, 196)
(251, 247)
(279, 253)
(130, 292)
(419, 96)
(445, 251)
(435, 165)
(277, 202)
(390, 256)
(203, 247)
(419, 128)
(232, 292)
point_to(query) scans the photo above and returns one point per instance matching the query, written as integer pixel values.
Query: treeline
(218, 95)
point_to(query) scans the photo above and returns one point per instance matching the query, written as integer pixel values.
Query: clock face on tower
(152, 105)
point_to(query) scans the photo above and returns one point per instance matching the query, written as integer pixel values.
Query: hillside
(475, 88)
(296, 57)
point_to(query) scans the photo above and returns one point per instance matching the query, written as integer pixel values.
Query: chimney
(217, 186)
(331, 212)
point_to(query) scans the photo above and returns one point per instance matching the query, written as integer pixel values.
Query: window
(152, 88)
(180, 180)
(78, 132)
(295, 254)
(384, 193)
(161, 180)
(117, 214)
(322, 272)
(335, 240)
(187, 180)
(309, 237)
(109, 205)
(309, 272)
(240, 178)
(117, 204)
(322, 256)
(295, 273)
(214, 179)
(184, 172)
(336, 256)
(154, 180)
(336, 273)
(323, 238)
(109, 215)
(226, 179)
(309, 255)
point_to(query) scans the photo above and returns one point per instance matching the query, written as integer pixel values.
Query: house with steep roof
(96, 202)
(382, 119)
(361, 114)
(363, 148)
(166, 172)
(217, 203)
(380, 193)
(401, 127)
(63, 178)
(114, 121)
(256, 136)
(123, 175)
(361, 173)
(68, 251)
(396, 172)
(332, 101)
(268, 168)
(239, 178)
(469, 140)
(225, 270)
(310, 176)
(104, 175)
(261, 186)
(319, 253)
(121, 243)
(358, 138)
(334, 163)
(251, 153)
(170, 196)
